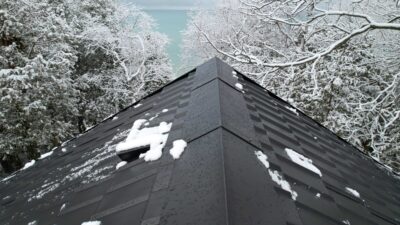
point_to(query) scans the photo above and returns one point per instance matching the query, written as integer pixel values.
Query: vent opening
(132, 154)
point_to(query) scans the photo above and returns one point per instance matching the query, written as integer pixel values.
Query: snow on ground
(28, 164)
(239, 86)
(275, 176)
(45, 155)
(120, 164)
(293, 110)
(178, 148)
(303, 161)
(353, 192)
(155, 137)
(92, 223)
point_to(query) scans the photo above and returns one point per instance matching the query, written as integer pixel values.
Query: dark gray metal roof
(218, 179)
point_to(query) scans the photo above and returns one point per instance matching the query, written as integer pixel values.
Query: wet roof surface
(218, 179)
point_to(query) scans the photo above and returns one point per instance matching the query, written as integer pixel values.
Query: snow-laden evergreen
(338, 61)
(65, 65)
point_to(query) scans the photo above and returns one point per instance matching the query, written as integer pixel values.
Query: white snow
(28, 164)
(337, 82)
(234, 74)
(275, 176)
(64, 149)
(178, 148)
(303, 161)
(155, 137)
(63, 207)
(239, 86)
(292, 110)
(353, 192)
(137, 105)
(115, 118)
(165, 110)
(45, 155)
(120, 164)
(92, 223)
(9, 177)
(263, 158)
(318, 195)
(32, 223)
(347, 222)
(315, 138)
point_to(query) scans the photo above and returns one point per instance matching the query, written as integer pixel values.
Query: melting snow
(318, 195)
(155, 137)
(63, 207)
(292, 110)
(234, 74)
(137, 105)
(9, 177)
(353, 192)
(92, 223)
(28, 164)
(33, 223)
(45, 155)
(178, 148)
(115, 118)
(64, 149)
(239, 86)
(303, 161)
(346, 222)
(275, 176)
(120, 164)
(165, 110)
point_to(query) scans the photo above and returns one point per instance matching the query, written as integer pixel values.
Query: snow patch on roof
(120, 164)
(46, 188)
(303, 161)
(63, 207)
(353, 192)
(92, 223)
(178, 148)
(33, 223)
(275, 176)
(165, 110)
(239, 86)
(137, 105)
(263, 158)
(45, 155)
(155, 137)
(115, 118)
(28, 164)
(234, 74)
(293, 110)
(8, 177)
(347, 222)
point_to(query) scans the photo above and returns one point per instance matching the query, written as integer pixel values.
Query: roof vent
(132, 154)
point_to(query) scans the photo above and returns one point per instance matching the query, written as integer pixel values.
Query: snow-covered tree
(338, 61)
(65, 65)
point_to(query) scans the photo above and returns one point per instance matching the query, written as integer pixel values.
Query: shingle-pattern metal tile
(218, 179)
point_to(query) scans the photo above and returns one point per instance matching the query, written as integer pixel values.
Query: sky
(172, 4)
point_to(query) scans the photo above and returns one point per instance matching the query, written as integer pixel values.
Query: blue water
(171, 23)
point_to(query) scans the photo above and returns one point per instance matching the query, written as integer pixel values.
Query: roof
(251, 158)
